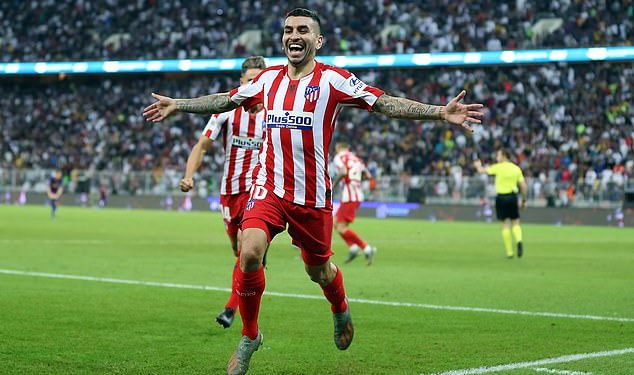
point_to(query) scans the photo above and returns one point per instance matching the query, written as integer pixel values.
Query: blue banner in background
(349, 62)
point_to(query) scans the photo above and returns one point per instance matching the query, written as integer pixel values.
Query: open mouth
(295, 48)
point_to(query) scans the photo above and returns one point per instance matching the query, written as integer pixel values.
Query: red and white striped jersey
(300, 120)
(242, 137)
(352, 168)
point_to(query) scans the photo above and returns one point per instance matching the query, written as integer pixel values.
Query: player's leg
(263, 219)
(507, 238)
(310, 228)
(353, 249)
(501, 210)
(330, 279)
(249, 286)
(232, 209)
(346, 215)
(53, 208)
(517, 234)
(227, 315)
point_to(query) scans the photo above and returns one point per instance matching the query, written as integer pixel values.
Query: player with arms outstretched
(241, 133)
(54, 191)
(292, 186)
(350, 171)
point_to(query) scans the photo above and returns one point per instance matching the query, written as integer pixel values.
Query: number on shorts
(225, 213)
(258, 192)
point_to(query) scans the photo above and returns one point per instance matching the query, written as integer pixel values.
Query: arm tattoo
(216, 103)
(407, 109)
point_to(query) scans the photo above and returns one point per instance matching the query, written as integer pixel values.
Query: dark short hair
(303, 12)
(505, 152)
(253, 62)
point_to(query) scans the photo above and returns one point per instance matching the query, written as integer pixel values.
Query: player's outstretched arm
(454, 112)
(165, 106)
(193, 163)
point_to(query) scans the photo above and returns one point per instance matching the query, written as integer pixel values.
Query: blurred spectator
(54, 30)
(568, 125)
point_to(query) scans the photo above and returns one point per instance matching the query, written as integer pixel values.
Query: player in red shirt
(350, 172)
(292, 186)
(241, 134)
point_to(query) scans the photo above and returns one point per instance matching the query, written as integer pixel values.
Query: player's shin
(233, 298)
(249, 287)
(508, 242)
(335, 293)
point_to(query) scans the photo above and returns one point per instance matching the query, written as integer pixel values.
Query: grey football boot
(240, 359)
(344, 331)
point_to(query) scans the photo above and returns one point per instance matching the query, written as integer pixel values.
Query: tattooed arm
(166, 106)
(403, 108)
(454, 112)
(216, 103)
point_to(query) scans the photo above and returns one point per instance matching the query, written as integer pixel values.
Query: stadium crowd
(150, 29)
(569, 126)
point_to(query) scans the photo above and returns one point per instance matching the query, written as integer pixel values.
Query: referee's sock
(508, 242)
(517, 232)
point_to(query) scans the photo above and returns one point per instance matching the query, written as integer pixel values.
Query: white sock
(368, 250)
(354, 249)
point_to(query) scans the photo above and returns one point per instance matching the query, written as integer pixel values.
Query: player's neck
(301, 71)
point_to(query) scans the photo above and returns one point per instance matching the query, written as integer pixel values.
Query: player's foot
(344, 332)
(225, 318)
(370, 252)
(351, 256)
(520, 250)
(509, 257)
(239, 361)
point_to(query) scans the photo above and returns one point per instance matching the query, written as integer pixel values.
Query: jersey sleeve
(520, 175)
(493, 170)
(250, 94)
(215, 125)
(350, 90)
(339, 165)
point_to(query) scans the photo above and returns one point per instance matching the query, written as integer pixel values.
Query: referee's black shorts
(506, 206)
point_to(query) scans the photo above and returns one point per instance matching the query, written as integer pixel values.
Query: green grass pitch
(54, 325)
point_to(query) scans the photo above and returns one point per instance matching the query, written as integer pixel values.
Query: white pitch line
(95, 242)
(560, 372)
(540, 362)
(318, 297)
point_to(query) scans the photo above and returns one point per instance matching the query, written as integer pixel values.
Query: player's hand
(460, 114)
(186, 184)
(523, 205)
(163, 108)
(477, 163)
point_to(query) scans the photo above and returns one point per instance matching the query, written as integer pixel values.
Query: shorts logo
(311, 94)
(250, 204)
(276, 119)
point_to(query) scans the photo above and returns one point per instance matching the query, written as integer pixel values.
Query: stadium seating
(570, 126)
(117, 29)
(578, 140)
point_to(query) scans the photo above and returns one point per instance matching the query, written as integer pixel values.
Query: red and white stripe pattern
(352, 168)
(300, 121)
(242, 136)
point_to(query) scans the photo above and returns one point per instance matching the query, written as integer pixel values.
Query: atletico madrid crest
(312, 93)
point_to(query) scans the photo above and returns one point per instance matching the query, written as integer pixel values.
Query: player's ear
(320, 41)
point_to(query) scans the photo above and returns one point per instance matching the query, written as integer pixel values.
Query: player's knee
(253, 247)
(340, 227)
(320, 274)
